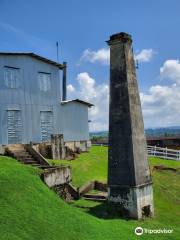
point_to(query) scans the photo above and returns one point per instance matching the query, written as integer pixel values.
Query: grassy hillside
(29, 210)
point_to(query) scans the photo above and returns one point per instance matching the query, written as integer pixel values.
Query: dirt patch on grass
(163, 168)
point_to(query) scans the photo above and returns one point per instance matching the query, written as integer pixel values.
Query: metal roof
(59, 65)
(154, 138)
(79, 101)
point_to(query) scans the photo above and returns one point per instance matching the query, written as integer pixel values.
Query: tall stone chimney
(129, 180)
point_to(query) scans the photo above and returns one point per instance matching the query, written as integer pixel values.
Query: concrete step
(17, 152)
(24, 158)
(30, 162)
(96, 197)
(45, 167)
(16, 149)
(15, 146)
(35, 165)
(22, 154)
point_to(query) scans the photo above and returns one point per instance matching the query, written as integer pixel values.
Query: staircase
(23, 155)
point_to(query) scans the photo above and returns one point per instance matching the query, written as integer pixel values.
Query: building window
(11, 76)
(44, 80)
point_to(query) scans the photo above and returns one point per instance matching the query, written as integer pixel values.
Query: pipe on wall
(64, 82)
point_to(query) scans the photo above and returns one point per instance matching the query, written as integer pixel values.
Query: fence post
(155, 150)
(166, 152)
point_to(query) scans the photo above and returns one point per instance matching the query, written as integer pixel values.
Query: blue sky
(82, 27)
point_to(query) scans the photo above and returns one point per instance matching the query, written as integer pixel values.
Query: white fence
(163, 152)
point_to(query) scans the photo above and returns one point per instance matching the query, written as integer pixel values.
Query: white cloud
(87, 88)
(145, 55)
(99, 96)
(70, 88)
(160, 104)
(102, 56)
(96, 94)
(171, 70)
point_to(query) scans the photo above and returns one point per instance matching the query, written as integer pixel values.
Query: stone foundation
(58, 149)
(63, 192)
(45, 149)
(84, 146)
(56, 176)
(134, 202)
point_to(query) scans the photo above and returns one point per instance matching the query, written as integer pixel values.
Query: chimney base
(133, 202)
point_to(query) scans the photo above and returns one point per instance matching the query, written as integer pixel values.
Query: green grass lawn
(88, 166)
(29, 210)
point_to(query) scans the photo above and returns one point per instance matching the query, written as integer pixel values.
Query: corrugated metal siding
(14, 121)
(75, 122)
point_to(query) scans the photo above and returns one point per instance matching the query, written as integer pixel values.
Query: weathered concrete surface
(84, 146)
(57, 176)
(86, 188)
(128, 166)
(2, 150)
(137, 202)
(59, 149)
(36, 155)
(44, 149)
(58, 146)
(100, 186)
(67, 150)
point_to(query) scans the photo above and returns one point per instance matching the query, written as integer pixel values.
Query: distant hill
(98, 134)
(167, 131)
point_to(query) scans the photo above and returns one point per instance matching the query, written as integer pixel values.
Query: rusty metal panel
(46, 125)
(14, 121)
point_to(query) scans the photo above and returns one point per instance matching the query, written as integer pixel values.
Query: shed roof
(79, 101)
(154, 138)
(59, 65)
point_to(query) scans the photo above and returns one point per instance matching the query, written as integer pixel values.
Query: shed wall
(75, 121)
